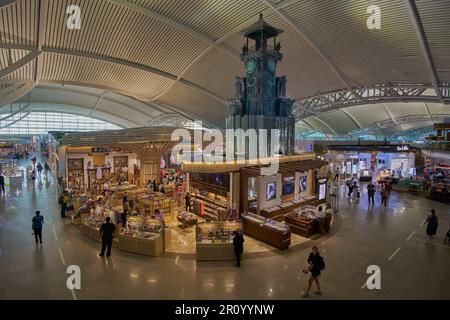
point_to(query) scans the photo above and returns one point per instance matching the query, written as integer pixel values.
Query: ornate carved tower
(260, 98)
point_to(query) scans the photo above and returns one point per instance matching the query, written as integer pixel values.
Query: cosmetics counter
(214, 240)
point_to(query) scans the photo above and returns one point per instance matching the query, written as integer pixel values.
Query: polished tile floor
(412, 267)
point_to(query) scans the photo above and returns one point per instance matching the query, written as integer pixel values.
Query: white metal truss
(379, 93)
(398, 121)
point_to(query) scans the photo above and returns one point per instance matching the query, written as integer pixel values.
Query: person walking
(238, 244)
(432, 224)
(37, 223)
(125, 205)
(107, 231)
(371, 192)
(39, 168)
(46, 168)
(350, 188)
(384, 196)
(187, 199)
(315, 266)
(336, 175)
(63, 201)
(2, 184)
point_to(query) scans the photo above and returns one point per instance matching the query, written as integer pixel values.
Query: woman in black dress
(316, 265)
(432, 225)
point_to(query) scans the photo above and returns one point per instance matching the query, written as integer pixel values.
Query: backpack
(321, 264)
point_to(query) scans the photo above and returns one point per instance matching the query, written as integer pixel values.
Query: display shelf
(151, 247)
(214, 240)
(209, 200)
(278, 213)
(142, 235)
(267, 230)
(91, 231)
(215, 251)
(304, 222)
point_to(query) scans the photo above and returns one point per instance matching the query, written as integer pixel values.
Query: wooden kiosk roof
(289, 167)
(288, 164)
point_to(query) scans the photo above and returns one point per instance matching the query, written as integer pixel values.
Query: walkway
(392, 238)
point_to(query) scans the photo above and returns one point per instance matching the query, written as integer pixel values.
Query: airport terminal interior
(224, 149)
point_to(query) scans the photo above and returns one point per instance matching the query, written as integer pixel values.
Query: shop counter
(302, 227)
(78, 220)
(150, 247)
(280, 213)
(91, 232)
(215, 251)
(258, 230)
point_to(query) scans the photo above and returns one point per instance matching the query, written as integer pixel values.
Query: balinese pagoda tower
(260, 98)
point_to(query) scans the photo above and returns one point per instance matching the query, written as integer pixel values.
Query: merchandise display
(272, 232)
(75, 174)
(142, 227)
(90, 226)
(143, 235)
(215, 240)
(212, 232)
(187, 218)
(304, 221)
(148, 203)
(210, 205)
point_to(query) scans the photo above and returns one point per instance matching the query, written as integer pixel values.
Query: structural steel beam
(136, 66)
(19, 64)
(415, 20)
(294, 24)
(174, 24)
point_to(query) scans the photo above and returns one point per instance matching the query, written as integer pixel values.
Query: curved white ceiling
(185, 54)
(112, 107)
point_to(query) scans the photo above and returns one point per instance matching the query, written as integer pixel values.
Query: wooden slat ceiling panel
(435, 17)
(74, 69)
(24, 73)
(15, 26)
(212, 18)
(364, 55)
(111, 30)
(195, 104)
(217, 73)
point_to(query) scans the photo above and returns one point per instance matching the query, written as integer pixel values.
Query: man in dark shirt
(371, 192)
(2, 184)
(238, 243)
(107, 233)
(38, 221)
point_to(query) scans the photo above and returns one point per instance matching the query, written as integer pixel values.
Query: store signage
(104, 150)
(402, 148)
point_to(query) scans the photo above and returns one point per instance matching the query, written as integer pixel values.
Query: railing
(437, 146)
